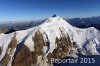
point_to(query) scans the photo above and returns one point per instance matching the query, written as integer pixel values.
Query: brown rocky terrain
(25, 57)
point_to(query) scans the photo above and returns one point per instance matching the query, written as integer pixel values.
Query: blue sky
(12, 10)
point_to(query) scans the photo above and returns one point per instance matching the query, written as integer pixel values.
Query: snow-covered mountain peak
(54, 19)
(55, 22)
(54, 38)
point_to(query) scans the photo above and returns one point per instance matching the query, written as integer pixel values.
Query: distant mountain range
(77, 22)
(17, 26)
(86, 22)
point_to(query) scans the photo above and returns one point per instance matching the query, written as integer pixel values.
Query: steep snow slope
(87, 40)
(4, 42)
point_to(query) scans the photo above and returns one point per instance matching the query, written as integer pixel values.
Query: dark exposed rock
(25, 57)
(10, 31)
(54, 15)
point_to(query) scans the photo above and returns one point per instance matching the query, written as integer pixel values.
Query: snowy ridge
(86, 39)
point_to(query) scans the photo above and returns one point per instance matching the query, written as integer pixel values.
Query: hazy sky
(12, 10)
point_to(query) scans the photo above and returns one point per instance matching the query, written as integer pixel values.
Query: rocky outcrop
(25, 57)
(9, 52)
(64, 48)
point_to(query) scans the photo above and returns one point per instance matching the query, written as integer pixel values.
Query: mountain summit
(54, 38)
(54, 15)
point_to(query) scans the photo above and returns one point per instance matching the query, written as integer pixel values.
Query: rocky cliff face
(54, 38)
(25, 57)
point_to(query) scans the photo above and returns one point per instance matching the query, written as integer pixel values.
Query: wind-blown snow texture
(86, 39)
